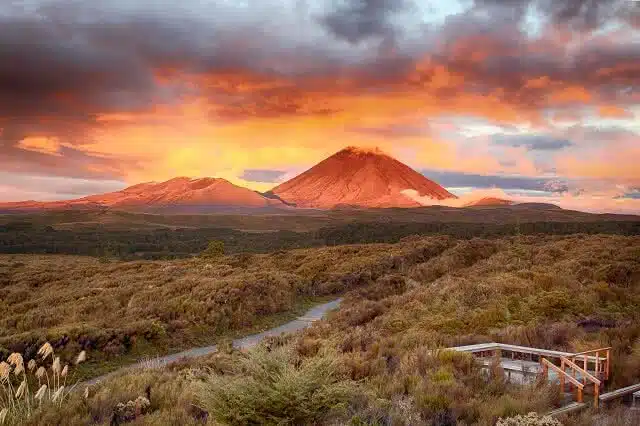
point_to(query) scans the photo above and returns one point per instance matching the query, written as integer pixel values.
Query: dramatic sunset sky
(538, 99)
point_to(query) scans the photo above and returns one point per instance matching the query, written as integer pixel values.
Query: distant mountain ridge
(351, 178)
(181, 194)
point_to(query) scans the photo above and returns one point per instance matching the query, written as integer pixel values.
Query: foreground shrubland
(373, 362)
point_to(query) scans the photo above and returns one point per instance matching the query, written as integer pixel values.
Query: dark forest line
(166, 243)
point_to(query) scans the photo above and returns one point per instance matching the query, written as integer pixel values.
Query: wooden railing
(600, 358)
(586, 377)
(572, 377)
(574, 368)
(546, 365)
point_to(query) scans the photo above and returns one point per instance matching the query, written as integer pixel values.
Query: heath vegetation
(378, 360)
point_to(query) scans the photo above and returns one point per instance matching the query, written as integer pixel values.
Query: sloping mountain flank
(178, 194)
(360, 178)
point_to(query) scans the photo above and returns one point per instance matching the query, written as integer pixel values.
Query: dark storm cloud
(578, 14)
(63, 63)
(259, 175)
(358, 20)
(532, 142)
(469, 180)
(490, 46)
(57, 76)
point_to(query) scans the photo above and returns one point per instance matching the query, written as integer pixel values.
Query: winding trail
(300, 323)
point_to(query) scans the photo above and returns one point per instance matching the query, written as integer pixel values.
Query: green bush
(275, 387)
(213, 250)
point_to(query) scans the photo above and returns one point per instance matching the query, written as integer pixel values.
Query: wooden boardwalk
(567, 409)
(580, 372)
(619, 393)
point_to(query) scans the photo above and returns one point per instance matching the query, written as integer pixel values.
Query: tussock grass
(34, 385)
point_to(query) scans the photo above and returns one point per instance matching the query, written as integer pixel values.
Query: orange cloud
(249, 121)
(44, 145)
(538, 83)
(614, 111)
(613, 162)
(571, 94)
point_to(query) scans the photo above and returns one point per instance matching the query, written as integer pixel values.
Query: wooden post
(607, 366)
(597, 363)
(579, 394)
(596, 395)
(585, 367)
(562, 378)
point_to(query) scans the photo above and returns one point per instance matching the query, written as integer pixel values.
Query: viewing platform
(578, 372)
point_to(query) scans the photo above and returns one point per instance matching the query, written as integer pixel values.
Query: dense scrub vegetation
(116, 308)
(373, 361)
(169, 243)
(566, 293)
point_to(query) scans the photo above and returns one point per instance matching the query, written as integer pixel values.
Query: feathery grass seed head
(5, 370)
(55, 367)
(65, 371)
(82, 356)
(57, 394)
(3, 415)
(45, 350)
(15, 359)
(40, 372)
(41, 392)
(31, 364)
(21, 389)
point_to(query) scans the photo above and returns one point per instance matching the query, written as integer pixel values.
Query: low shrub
(275, 387)
(531, 419)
